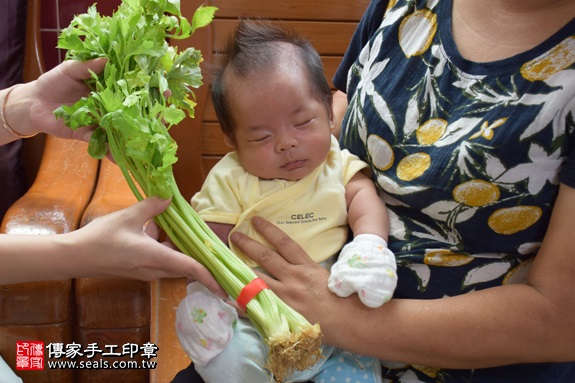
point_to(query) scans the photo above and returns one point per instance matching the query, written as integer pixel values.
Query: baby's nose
(286, 142)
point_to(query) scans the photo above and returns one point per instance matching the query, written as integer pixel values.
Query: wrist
(65, 246)
(336, 319)
(370, 238)
(14, 113)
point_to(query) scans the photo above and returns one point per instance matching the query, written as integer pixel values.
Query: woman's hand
(295, 277)
(121, 244)
(29, 107)
(63, 85)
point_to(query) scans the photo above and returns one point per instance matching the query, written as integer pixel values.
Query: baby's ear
(229, 141)
(332, 123)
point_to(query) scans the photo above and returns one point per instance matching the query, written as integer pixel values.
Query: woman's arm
(339, 109)
(520, 323)
(115, 245)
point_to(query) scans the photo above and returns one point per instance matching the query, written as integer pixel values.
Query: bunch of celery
(133, 116)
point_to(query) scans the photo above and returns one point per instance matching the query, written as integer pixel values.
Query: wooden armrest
(111, 310)
(56, 200)
(53, 205)
(111, 302)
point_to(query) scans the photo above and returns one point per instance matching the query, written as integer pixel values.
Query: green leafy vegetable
(133, 116)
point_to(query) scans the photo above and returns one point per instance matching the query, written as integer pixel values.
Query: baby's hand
(366, 267)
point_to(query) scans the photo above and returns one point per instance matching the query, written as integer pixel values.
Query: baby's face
(281, 130)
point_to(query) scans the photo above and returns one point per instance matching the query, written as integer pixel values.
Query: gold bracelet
(3, 118)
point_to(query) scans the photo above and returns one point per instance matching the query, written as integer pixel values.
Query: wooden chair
(116, 311)
(53, 205)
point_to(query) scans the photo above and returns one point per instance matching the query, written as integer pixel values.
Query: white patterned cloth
(366, 267)
(204, 323)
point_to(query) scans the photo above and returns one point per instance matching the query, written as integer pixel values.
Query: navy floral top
(467, 156)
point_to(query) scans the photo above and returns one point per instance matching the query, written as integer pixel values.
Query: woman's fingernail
(256, 221)
(234, 237)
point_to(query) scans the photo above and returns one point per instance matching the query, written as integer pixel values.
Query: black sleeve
(369, 23)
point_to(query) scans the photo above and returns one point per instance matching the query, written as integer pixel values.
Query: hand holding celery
(133, 116)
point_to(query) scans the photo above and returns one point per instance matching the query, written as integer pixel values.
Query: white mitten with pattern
(367, 267)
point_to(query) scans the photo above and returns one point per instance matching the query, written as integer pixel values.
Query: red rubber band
(250, 291)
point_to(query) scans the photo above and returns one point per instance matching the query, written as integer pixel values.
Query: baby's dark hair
(254, 47)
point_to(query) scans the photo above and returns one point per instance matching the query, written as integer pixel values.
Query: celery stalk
(134, 118)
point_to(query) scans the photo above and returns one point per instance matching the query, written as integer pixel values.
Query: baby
(274, 105)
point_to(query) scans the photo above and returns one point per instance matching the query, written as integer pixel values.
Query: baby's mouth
(294, 165)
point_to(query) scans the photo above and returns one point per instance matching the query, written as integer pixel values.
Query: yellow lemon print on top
(559, 57)
(512, 220)
(487, 131)
(380, 151)
(431, 131)
(476, 193)
(416, 32)
(519, 273)
(390, 4)
(446, 258)
(413, 166)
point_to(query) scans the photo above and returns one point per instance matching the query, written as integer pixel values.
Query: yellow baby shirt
(312, 210)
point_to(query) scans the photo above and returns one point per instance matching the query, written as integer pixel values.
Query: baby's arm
(222, 230)
(366, 212)
(365, 266)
